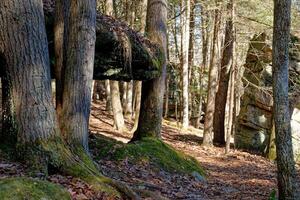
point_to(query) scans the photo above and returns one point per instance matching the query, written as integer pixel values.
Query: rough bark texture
(285, 160)
(226, 63)
(78, 73)
(150, 118)
(212, 85)
(27, 66)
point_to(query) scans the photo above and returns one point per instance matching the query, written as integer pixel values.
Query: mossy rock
(27, 188)
(150, 150)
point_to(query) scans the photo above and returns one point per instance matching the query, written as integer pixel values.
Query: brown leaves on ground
(238, 175)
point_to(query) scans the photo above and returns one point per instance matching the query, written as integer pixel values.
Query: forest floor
(238, 175)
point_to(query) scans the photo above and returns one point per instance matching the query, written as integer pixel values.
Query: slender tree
(138, 84)
(109, 11)
(113, 88)
(226, 64)
(185, 61)
(212, 83)
(285, 161)
(150, 119)
(117, 106)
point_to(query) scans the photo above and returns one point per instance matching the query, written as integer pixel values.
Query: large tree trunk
(285, 160)
(27, 67)
(185, 62)
(24, 48)
(80, 50)
(150, 119)
(212, 85)
(226, 64)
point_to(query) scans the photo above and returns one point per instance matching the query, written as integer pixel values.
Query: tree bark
(185, 62)
(212, 85)
(113, 87)
(78, 76)
(226, 64)
(150, 119)
(287, 185)
(138, 94)
(117, 106)
(28, 70)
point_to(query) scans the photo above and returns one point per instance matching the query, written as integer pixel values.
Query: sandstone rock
(255, 119)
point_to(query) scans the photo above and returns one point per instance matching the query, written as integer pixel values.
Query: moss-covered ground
(27, 188)
(154, 151)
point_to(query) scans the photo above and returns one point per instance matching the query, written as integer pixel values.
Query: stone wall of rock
(255, 119)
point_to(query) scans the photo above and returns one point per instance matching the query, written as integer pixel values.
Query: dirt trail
(239, 175)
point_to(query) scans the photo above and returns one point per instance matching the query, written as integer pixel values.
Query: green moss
(25, 188)
(150, 150)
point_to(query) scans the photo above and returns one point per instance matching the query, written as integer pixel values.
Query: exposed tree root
(74, 162)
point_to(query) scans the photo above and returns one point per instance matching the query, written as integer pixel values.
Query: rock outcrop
(121, 53)
(255, 121)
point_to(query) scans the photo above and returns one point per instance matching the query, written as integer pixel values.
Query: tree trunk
(124, 94)
(150, 120)
(26, 55)
(108, 96)
(117, 106)
(138, 94)
(287, 185)
(226, 64)
(113, 87)
(167, 98)
(212, 85)
(231, 104)
(24, 48)
(185, 62)
(79, 72)
(138, 84)
(205, 43)
(128, 106)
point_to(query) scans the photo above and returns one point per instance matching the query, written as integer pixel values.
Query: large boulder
(255, 121)
(121, 52)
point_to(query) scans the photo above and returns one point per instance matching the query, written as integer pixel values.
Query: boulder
(121, 53)
(255, 121)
